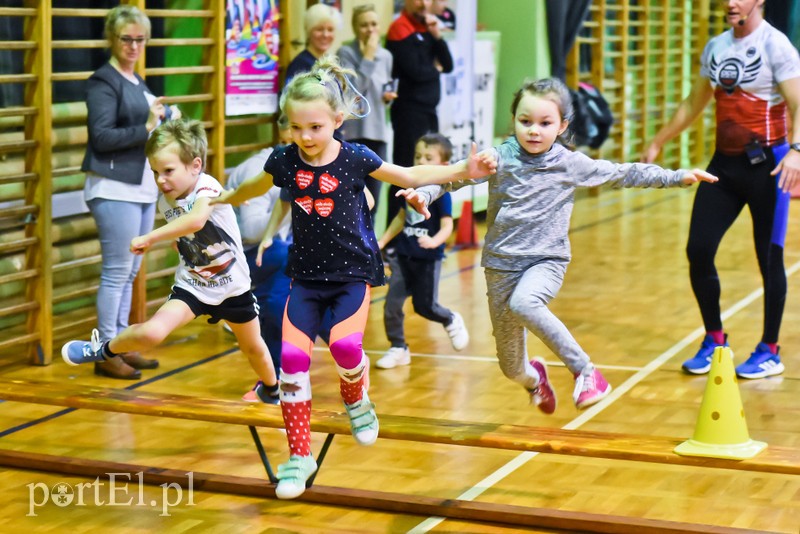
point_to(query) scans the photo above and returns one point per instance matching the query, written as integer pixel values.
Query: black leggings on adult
(409, 123)
(716, 207)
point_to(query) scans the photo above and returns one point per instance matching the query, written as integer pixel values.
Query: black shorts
(238, 310)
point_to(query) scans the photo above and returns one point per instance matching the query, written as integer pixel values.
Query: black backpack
(592, 117)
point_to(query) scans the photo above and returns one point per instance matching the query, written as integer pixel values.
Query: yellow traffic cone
(721, 430)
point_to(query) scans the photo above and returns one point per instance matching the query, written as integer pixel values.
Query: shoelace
(94, 344)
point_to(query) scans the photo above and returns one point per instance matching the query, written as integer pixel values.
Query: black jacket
(118, 111)
(415, 52)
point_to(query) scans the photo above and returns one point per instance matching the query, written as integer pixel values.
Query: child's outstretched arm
(394, 228)
(250, 188)
(417, 200)
(477, 165)
(698, 175)
(186, 224)
(278, 214)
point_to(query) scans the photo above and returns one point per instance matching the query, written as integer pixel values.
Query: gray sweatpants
(518, 300)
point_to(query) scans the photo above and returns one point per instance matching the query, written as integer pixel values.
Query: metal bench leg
(263, 454)
(264, 460)
(322, 452)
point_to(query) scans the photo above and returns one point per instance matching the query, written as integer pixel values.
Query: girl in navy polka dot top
(335, 260)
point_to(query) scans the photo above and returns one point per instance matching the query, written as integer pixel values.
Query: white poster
(454, 122)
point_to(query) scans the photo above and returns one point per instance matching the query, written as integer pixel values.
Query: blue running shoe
(760, 364)
(78, 352)
(700, 364)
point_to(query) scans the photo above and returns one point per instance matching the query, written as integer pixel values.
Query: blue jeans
(117, 224)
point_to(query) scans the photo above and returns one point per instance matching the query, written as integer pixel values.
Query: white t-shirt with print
(212, 267)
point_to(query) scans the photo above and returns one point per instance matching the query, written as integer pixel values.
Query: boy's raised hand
(698, 175)
(415, 200)
(480, 164)
(140, 244)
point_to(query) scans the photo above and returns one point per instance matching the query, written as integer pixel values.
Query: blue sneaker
(78, 352)
(760, 364)
(700, 364)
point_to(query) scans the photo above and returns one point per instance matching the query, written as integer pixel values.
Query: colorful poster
(251, 61)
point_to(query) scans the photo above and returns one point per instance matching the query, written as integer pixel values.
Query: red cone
(467, 230)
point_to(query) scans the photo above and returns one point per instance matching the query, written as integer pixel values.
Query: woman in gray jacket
(373, 65)
(120, 190)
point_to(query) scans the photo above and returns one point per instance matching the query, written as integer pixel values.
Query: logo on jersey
(412, 217)
(306, 203)
(323, 206)
(733, 72)
(304, 179)
(327, 183)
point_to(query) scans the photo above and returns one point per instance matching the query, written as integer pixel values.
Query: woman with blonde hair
(119, 189)
(320, 22)
(372, 64)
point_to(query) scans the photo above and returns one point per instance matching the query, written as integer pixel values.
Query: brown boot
(137, 361)
(116, 368)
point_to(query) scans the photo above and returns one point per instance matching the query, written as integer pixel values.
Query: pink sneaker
(590, 387)
(543, 395)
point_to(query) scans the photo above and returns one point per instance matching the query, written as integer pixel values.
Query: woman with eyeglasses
(120, 190)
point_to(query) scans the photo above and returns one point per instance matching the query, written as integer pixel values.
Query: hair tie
(359, 98)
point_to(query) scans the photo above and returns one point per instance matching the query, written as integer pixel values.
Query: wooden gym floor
(627, 300)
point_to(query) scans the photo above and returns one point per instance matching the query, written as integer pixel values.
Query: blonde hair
(123, 15)
(327, 80)
(360, 10)
(319, 13)
(189, 137)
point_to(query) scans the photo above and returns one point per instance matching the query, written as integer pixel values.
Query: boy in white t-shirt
(212, 277)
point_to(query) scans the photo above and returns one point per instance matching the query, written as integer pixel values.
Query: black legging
(409, 124)
(373, 184)
(716, 207)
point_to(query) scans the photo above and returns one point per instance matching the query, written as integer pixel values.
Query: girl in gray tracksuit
(526, 249)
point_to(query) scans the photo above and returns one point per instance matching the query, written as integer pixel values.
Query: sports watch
(795, 146)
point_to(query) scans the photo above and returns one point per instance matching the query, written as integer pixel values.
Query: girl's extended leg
(349, 310)
(510, 336)
(537, 286)
(301, 323)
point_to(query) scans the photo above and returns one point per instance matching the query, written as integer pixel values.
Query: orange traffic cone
(467, 230)
(721, 430)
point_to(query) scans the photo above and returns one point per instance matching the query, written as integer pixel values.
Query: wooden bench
(499, 436)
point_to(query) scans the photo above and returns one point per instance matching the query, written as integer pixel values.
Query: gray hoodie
(531, 199)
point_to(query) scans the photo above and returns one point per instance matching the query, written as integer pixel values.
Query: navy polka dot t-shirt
(333, 236)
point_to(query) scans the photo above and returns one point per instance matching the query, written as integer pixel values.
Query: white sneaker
(394, 356)
(292, 476)
(363, 421)
(457, 331)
